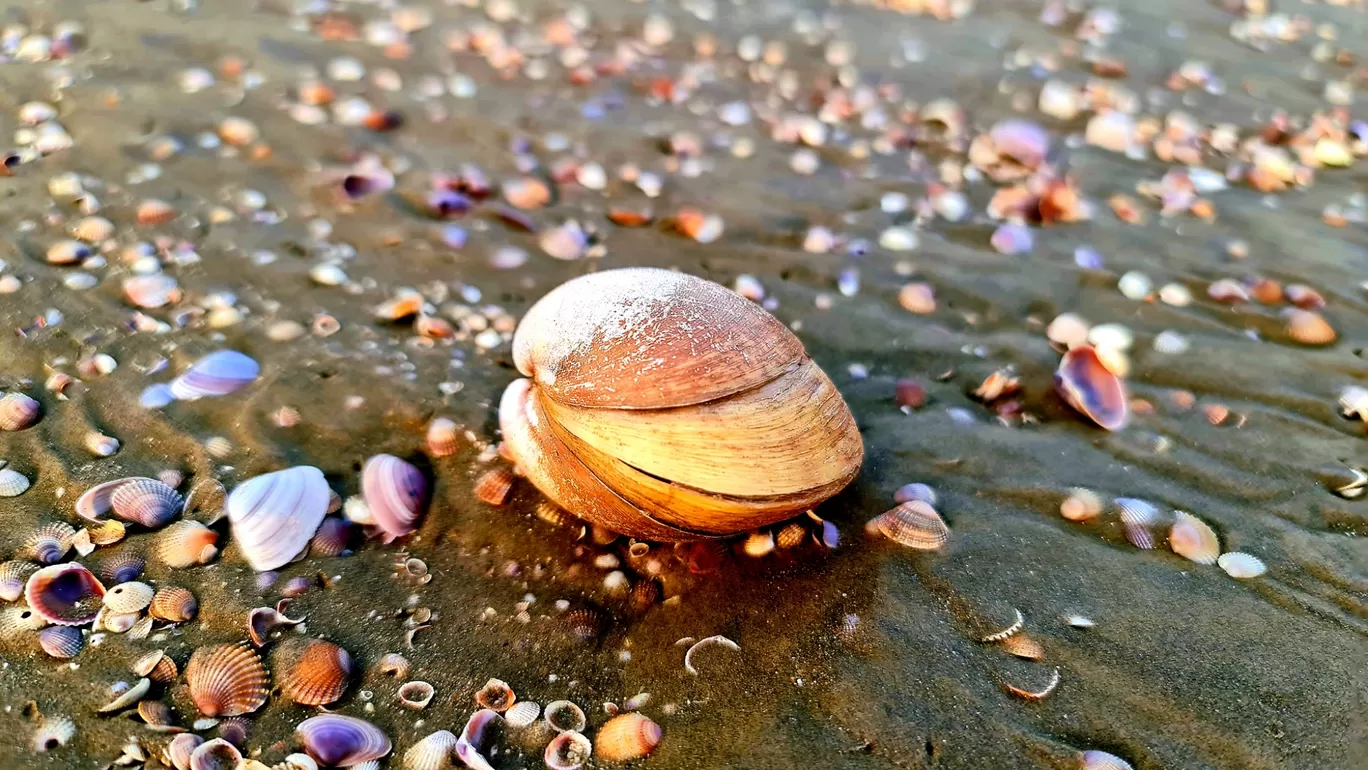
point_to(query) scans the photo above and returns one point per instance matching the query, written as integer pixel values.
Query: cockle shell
(12, 483)
(433, 752)
(217, 754)
(1241, 565)
(1140, 519)
(395, 492)
(626, 737)
(227, 680)
(1191, 538)
(1101, 760)
(341, 741)
(173, 603)
(122, 567)
(148, 502)
(186, 544)
(522, 714)
(564, 716)
(128, 597)
(393, 665)
(19, 621)
(61, 642)
(914, 524)
(1092, 389)
(107, 532)
(181, 747)
(13, 575)
(217, 374)
(313, 672)
(18, 412)
(156, 666)
(64, 594)
(50, 542)
(568, 751)
(332, 538)
(275, 515)
(53, 733)
(493, 486)
(443, 437)
(151, 291)
(647, 388)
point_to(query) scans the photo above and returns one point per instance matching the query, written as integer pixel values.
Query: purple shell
(333, 537)
(275, 515)
(340, 741)
(217, 374)
(64, 594)
(395, 493)
(473, 736)
(1022, 141)
(1088, 386)
(61, 642)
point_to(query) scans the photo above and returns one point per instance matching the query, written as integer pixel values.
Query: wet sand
(1185, 667)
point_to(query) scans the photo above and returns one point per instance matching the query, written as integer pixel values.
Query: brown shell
(227, 680)
(157, 666)
(313, 672)
(173, 603)
(1023, 646)
(915, 525)
(626, 737)
(493, 486)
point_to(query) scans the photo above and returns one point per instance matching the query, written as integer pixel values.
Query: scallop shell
(626, 737)
(1081, 505)
(217, 754)
(217, 374)
(1241, 565)
(416, 695)
(564, 716)
(130, 597)
(341, 741)
(493, 486)
(1090, 387)
(443, 437)
(496, 696)
(157, 713)
(1141, 519)
(313, 672)
(18, 412)
(173, 603)
(568, 751)
(13, 575)
(275, 515)
(333, 537)
(227, 680)
(54, 732)
(122, 567)
(50, 542)
(181, 747)
(432, 752)
(156, 666)
(12, 483)
(915, 525)
(61, 642)
(148, 502)
(395, 492)
(1101, 760)
(1191, 538)
(234, 730)
(142, 629)
(186, 544)
(64, 594)
(522, 714)
(97, 501)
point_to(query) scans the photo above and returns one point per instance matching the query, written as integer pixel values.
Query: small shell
(157, 713)
(54, 732)
(142, 629)
(1101, 760)
(1081, 505)
(1023, 646)
(61, 642)
(151, 291)
(626, 737)
(64, 594)
(1241, 565)
(393, 665)
(128, 698)
(568, 751)
(67, 252)
(443, 437)
(19, 621)
(492, 487)
(129, 597)
(186, 544)
(583, 624)
(432, 752)
(416, 694)
(122, 567)
(13, 575)
(101, 445)
(313, 672)
(340, 741)
(1141, 519)
(18, 411)
(1309, 328)
(522, 714)
(332, 538)
(1035, 695)
(217, 754)
(50, 542)
(915, 525)
(116, 622)
(262, 621)
(564, 716)
(395, 491)
(179, 750)
(227, 680)
(12, 483)
(1090, 387)
(496, 695)
(217, 374)
(107, 532)
(1191, 538)
(156, 666)
(148, 502)
(173, 603)
(154, 211)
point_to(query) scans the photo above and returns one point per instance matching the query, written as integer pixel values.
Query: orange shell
(186, 543)
(227, 680)
(626, 737)
(173, 603)
(915, 525)
(493, 486)
(315, 672)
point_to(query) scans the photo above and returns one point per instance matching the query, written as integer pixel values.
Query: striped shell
(626, 737)
(130, 597)
(312, 672)
(443, 437)
(181, 747)
(522, 714)
(173, 603)
(915, 525)
(116, 622)
(107, 532)
(122, 567)
(50, 542)
(12, 483)
(1141, 519)
(18, 411)
(13, 575)
(1023, 646)
(432, 752)
(332, 538)
(64, 594)
(227, 680)
(1191, 538)
(19, 621)
(395, 492)
(148, 502)
(340, 741)
(217, 374)
(1101, 760)
(186, 544)
(157, 666)
(275, 515)
(217, 754)
(493, 486)
(416, 695)
(1241, 565)
(54, 732)
(61, 642)
(97, 501)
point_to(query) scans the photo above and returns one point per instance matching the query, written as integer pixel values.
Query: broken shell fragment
(335, 740)
(64, 594)
(128, 698)
(1090, 387)
(227, 680)
(416, 695)
(263, 621)
(53, 733)
(914, 524)
(626, 737)
(275, 515)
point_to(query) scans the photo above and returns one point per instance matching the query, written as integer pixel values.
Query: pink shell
(1022, 141)
(65, 594)
(395, 492)
(18, 411)
(1088, 386)
(274, 516)
(217, 374)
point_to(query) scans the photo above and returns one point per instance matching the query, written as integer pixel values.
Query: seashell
(341, 741)
(1081, 505)
(914, 524)
(645, 388)
(568, 751)
(227, 680)
(298, 761)
(395, 493)
(116, 622)
(97, 501)
(13, 575)
(157, 713)
(313, 672)
(475, 733)
(1089, 387)
(275, 515)
(1140, 519)
(583, 625)
(262, 621)
(564, 716)
(416, 694)
(332, 538)
(67, 252)
(496, 696)
(107, 532)
(432, 752)
(50, 542)
(154, 211)
(142, 629)
(626, 737)
(12, 483)
(53, 733)
(181, 747)
(61, 642)
(19, 621)
(1035, 695)
(522, 714)
(151, 291)
(1309, 327)
(443, 437)
(217, 374)
(493, 486)
(1023, 646)
(122, 568)
(1191, 538)
(645, 593)
(64, 594)
(128, 698)
(148, 502)
(206, 501)
(915, 491)
(1101, 760)
(393, 665)
(156, 666)
(81, 542)
(173, 603)
(92, 229)
(18, 411)
(217, 754)
(1241, 565)
(234, 730)
(186, 544)
(128, 597)
(758, 544)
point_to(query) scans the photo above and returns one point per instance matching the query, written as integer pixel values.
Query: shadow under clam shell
(1094, 391)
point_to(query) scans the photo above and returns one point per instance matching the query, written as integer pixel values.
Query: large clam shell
(276, 514)
(217, 374)
(1092, 389)
(335, 740)
(395, 492)
(64, 594)
(313, 672)
(227, 680)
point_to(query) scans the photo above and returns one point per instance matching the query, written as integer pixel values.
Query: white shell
(12, 483)
(130, 597)
(274, 516)
(522, 714)
(432, 752)
(53, 733)
(1241, 565)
